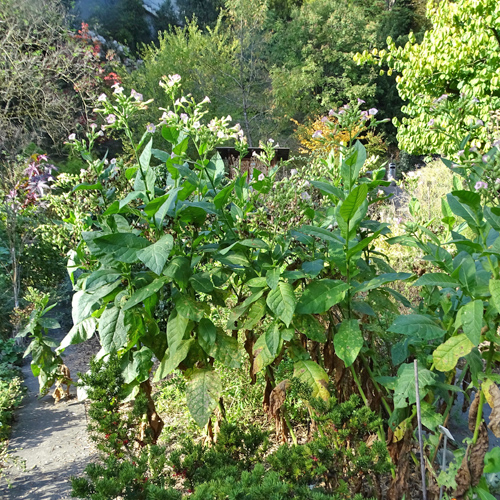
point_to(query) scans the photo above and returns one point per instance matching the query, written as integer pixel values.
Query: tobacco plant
(183, 244)
(456, 323)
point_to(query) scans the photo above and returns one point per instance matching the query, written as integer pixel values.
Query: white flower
(196, 125)
(305, 196)
(220, 134)
(102, 98)
(111, 118)
(271, 141)
(261, 177)
(150, 128)
(72, 137)
(118, 88)
(184, 118)
(228, 118)
(113, 161)
(317, 134)
(293, 171)
(206, 100)
(136, 95)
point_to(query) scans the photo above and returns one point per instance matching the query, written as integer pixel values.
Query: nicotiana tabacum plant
(457, 319)
(180, 249)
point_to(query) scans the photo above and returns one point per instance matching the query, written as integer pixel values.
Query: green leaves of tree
(156, 255)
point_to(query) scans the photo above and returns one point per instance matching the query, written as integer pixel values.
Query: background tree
(48, 76)
(450, 79)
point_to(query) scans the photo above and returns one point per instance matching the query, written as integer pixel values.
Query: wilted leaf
(494, 402)
(277, 397)
(312, 374)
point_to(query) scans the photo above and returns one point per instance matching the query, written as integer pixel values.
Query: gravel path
(51, 438)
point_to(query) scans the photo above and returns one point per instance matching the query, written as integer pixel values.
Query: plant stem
(290, 428)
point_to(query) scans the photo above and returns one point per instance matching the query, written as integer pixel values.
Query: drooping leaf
(177, 327)
(156, 255)
(437, 279)
(348, 341)
(380, 280)
(417, 325)
(203, 390)
(273, 339)
(113, 329)
(179, 269)
(312, 374)
(254, 314)
(446, 355)
(281, 301)
(225, 349)
(174, 356)
(262, 357)
(320, 295)
(207, 332)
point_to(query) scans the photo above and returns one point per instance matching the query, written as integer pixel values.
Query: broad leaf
(156, 255)
(380, 280)
(225, 349)
(355, 199)
(207, 332)
(202, 283)
(143, 293)
(179, 269)
(437, 279)
(313, 375)
(308, 325)
(447, 354)
(190, 308)
(320, 296)
(262, 356)
(494, 286)
(121, 246)
(348, 341)
(203, 391)
(273, 277)
(404, 392)
(281, 301)
(173, 358)
(472, 320)
(417, 325)
(113, 329)
(177, 327)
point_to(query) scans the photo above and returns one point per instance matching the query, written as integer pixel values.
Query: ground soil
(51, 438)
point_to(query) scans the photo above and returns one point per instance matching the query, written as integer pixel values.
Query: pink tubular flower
(102, 98)
(111, 119)
(481, 185)
(72, 137)
(150, 128)
(360, 101)
(372, 111)
(317, 134)
(136, 95)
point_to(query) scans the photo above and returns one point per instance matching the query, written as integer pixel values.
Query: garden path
(51, 438)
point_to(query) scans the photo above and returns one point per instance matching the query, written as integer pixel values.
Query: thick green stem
(377, 387)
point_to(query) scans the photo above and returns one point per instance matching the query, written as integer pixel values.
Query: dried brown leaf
(494, 424)
(476, 455)
(463, 478)
(277, 397)
(473, 413)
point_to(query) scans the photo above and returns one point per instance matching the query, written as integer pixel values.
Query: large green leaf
(173, 358)
(417, 325)
(207, 332)
(85, 303)
(223, 195)
(80, 332)
(494, 286)
(380, 280)
(273, 277)
(320, 295)
(143, 293)
(468, 213)
(313, 375)
(404, 392)
(121, 246)
(273, 339)
(447, 354)
(437, 279)
(348, 341)
(203, 391)
(355, 199)
(156, 255)
(179, 269)
(201, 282)
(113, 329)
(225, 349)
(262, 357)
(136, 365)
(167, 206)
(308, 325)
(254, 314)
(472, 320)
(351, 166)
(190, 308)
(281, 301)
(177, 327)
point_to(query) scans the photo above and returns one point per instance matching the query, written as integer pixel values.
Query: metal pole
(420, 440)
